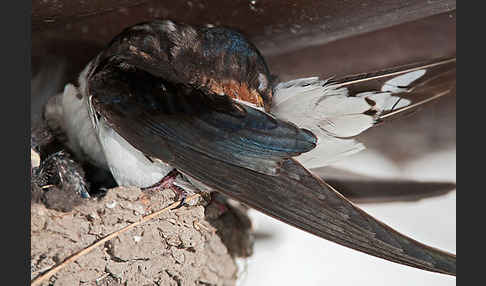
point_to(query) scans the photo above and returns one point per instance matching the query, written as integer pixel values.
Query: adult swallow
(201, 100)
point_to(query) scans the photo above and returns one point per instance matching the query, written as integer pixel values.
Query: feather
(297, 197)
(399, 83)
(68, 113)
(335, 112)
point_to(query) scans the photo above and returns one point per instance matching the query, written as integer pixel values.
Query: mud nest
(191, 245)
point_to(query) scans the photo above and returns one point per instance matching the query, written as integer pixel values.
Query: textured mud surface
(180, 247)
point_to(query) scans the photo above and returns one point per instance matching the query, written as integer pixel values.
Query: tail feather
(336, 113)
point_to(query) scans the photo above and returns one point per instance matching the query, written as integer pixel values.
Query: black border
(15, 119)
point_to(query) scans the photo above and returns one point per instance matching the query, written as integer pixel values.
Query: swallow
(56, 179)
(166, 97)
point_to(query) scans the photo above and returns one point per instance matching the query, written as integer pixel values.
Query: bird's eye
(262, 82)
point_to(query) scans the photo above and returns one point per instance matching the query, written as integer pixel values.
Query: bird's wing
(339, 110)
(299, 198)
(153, 114)
(231, 148)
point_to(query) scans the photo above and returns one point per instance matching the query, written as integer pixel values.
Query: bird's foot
(167, 182)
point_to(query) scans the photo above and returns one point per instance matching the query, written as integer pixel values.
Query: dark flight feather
(300, 199)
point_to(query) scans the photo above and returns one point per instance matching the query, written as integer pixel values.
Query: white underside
(129, 166)
(106, 148)
(70, 113)
(102, 146)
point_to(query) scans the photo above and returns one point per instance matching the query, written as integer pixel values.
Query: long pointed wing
(300, 199)
(339, 110)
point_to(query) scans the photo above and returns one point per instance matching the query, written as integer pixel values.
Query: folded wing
(297, 197)
(151, 113)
